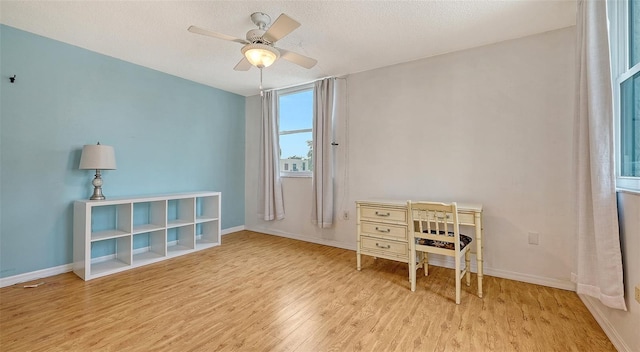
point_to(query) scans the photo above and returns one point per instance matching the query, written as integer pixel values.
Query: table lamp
(97, 157)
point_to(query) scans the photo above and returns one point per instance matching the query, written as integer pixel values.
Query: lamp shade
(97, 157)
(260, 55)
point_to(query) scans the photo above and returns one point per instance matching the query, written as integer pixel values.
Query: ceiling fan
(259, 49)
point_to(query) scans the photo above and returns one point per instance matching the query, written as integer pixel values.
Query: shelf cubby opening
(109, 255)
(180, 239)
(149, 246)
(207, 208)
(180, 212)
(149, 216)
(110, 221)
(207, 234)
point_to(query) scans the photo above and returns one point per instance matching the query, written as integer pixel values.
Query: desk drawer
(463, 219)
(378, 229)
(466, 219)
(376, 245)
(383, 214)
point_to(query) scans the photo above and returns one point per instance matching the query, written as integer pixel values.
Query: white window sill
(628, 184)
(296, 174)
(629, 191)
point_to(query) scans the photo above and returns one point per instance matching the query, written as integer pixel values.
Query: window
(296, 126)
(625, 61)
(630, 127)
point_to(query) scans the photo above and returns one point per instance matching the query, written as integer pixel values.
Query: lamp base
(97, 194)
(97, 187)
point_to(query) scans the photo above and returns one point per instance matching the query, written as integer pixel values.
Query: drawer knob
(383, 230)
(383, 214)
(384, 247)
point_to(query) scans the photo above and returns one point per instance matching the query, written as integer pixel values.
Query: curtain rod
(304, 84)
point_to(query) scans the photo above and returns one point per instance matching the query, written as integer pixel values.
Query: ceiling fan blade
(297, 59)
(243, 65)
(280, 28)
(198, 30)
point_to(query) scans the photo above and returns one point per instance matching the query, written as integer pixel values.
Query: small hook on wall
(13, 79)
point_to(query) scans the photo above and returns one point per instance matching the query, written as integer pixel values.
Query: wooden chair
(434, 228)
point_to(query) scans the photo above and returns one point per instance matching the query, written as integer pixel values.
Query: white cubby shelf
(118, 234)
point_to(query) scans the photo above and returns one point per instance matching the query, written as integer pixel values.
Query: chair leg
(412, 269)
(425, 262)
(458, 278)
(467, 260)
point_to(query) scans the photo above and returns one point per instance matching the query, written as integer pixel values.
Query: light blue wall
(170, 135)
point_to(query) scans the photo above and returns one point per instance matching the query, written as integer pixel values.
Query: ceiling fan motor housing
(255, 36)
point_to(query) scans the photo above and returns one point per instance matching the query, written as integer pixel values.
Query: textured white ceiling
(344, 36)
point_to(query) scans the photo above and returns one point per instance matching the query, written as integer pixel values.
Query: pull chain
(261, 93)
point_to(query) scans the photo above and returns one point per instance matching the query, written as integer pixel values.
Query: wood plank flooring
(265, 293)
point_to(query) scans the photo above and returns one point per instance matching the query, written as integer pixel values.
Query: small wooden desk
(382, 227)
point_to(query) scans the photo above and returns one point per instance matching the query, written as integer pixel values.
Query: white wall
(491, 125)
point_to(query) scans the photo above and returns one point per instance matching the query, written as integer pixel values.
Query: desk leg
(478, 222)
(358, 255)
(358, 234)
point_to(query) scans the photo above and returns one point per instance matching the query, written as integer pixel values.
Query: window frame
(287, 91)
(620, 70)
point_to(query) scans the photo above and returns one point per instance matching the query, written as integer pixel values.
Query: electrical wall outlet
(638, 293)
(345, 215)
(533, 238)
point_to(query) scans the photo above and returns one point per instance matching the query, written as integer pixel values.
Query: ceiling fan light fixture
(260, 55)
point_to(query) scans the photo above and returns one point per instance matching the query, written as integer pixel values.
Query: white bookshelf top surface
(140, 199)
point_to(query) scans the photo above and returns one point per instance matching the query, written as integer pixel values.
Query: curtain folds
(322, 191)
(599, 259)
(270, 191)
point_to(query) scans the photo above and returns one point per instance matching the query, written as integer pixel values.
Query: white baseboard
(231, 230)
(38, 274)
(532, 279)
(325, 242)
(448, 262)
(605, 324)
(34, 275)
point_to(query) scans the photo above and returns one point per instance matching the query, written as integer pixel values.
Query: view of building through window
(296, 126)
(630, 126)
(626, 61)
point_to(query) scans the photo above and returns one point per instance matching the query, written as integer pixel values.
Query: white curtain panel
(324, 112)
(599, 267)
(270, 192)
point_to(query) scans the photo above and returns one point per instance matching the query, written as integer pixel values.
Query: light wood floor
(264, 293)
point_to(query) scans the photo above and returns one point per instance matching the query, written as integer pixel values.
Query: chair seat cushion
(464, 241)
